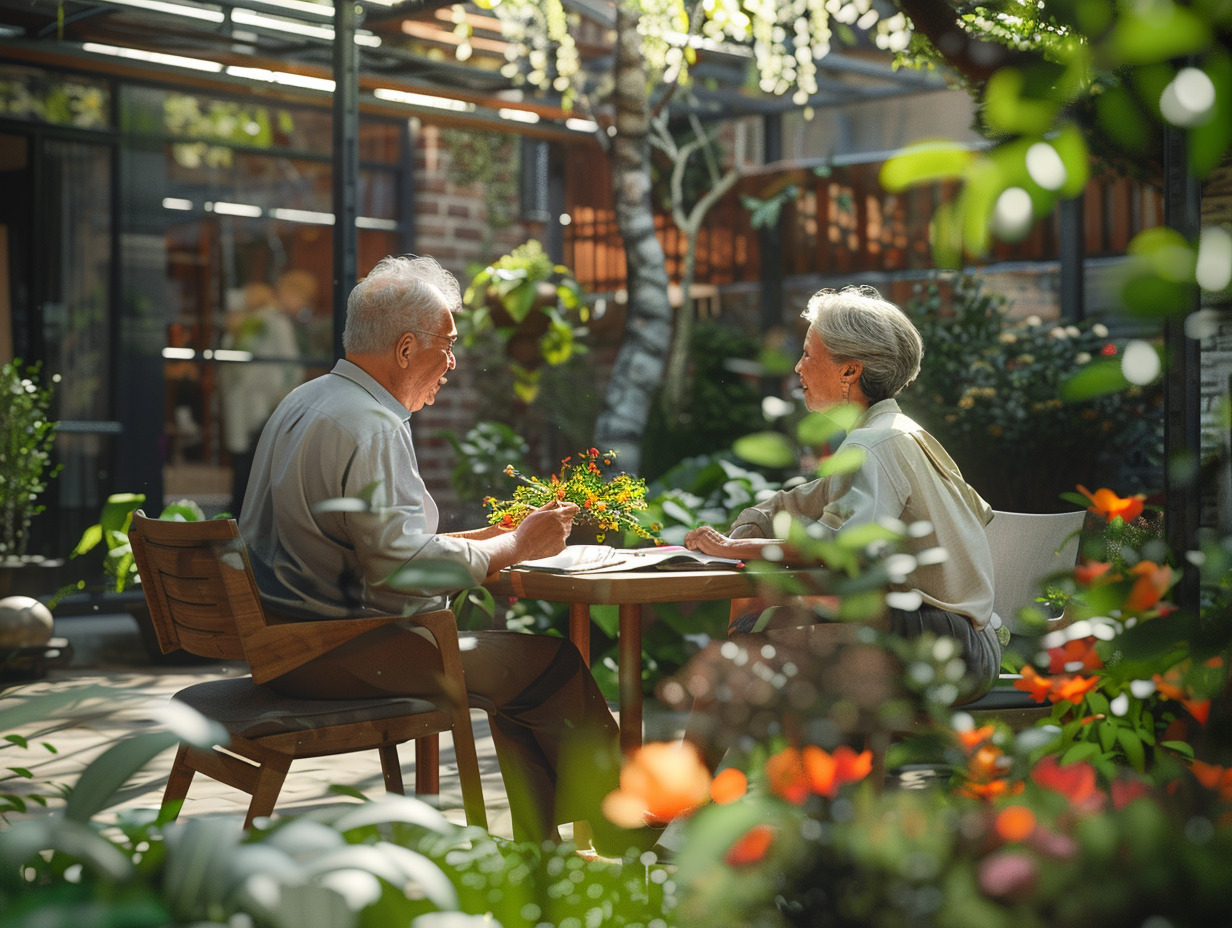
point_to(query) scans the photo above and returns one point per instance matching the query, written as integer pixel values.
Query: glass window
(41, 96)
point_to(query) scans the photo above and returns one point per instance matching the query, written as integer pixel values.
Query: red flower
(1078, 654)
(1124, 791)
(1108, 349)
(1076, 782)
(1107, 504)
(1090, 571)
(750, 847)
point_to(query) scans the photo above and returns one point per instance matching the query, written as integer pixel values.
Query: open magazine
(576, 559)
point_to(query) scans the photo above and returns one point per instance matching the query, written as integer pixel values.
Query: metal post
(1182, 393)
(346, 161)
(771, 241)
(1072, 249)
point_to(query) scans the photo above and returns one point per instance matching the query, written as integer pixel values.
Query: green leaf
(430, 577)
(843, 461)
(118, 511)
(1156, 32)
(1099, 378)
(925, 163)
(1082, 751)
(1132, 745)
(1009, 110)
(766, 449)
(97, 786)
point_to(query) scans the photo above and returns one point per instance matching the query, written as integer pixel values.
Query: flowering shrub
(607, 504)
(989, 389)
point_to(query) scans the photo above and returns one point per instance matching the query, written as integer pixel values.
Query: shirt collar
(357, 375)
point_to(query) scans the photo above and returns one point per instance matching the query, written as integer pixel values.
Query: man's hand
(709, 541)
(543, 531)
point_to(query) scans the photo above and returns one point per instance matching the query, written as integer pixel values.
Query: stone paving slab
(132, 702)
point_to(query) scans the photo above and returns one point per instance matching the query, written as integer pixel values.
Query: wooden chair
(203, 599)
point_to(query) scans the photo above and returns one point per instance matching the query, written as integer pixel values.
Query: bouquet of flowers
(606, 504)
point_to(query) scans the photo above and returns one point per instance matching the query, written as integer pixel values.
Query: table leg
(579, 629)
(630, 676)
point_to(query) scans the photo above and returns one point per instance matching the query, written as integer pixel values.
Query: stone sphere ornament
(24, 623)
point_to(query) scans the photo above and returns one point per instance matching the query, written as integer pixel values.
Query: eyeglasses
(452, 339)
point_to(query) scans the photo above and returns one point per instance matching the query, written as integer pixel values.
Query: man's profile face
(431, 360)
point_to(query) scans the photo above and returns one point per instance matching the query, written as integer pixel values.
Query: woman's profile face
(821, 377)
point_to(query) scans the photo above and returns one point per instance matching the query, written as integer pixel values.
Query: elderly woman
(862, 350)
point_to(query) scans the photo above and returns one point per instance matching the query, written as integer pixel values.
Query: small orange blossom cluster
(987, 765)
(660, 782)
(606, 504)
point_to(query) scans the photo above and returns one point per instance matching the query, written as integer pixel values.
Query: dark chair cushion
(251, 711)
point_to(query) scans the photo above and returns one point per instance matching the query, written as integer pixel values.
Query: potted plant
(527, 300)
(27, 437)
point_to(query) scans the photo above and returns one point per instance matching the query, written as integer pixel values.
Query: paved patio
(108, 654)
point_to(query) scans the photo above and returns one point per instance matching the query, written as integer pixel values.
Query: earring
(846, 390)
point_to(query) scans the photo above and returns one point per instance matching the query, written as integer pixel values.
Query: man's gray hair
(858, 324)
(398, 295)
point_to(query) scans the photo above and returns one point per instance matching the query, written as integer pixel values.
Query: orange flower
(1073, 688)
(990, 790)
(793, 774)
(750, 847)
(658, 782)
(975, 737)
(787, 777)
(1213, 778)
(1107, 504)
(1153, 581)
(507, 521)
(728, 786)
(827, 772)
(1054, 689)
(1014, 823)
(1039, 687)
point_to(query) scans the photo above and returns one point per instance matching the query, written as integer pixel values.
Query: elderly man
(346, 436)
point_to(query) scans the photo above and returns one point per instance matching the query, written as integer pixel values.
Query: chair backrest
(1027, 548)
(197, 584)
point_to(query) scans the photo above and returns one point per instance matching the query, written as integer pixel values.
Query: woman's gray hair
(858, 324)
(398, 295)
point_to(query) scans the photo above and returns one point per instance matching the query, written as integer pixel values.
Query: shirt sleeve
(869, 493)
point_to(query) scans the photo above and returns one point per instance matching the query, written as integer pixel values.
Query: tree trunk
(638, 372)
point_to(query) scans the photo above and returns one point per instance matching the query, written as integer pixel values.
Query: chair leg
(468, 769)
(180, 779)
(392, 769)
(270, 777)
(879, 743)
(428, 765)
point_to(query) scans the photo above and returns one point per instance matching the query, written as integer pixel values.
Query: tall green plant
(27, 438)
(990, 389)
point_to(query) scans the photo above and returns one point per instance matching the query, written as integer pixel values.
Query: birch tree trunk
(638, 372)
